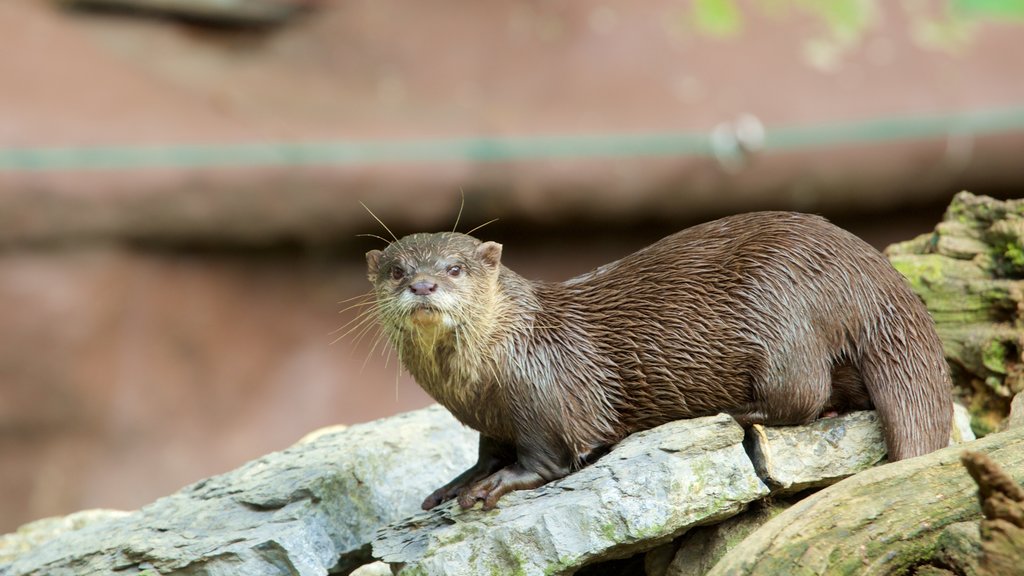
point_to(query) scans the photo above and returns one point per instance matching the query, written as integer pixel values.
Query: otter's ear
(489, 253)
(372, 263)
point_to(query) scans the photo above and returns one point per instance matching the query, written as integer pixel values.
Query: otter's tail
(907, 377)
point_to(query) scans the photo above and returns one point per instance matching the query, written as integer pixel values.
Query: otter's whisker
(379, 221)
(356, 305)
(461, 206)
(363, 295)
(376, 342)
(365, 321)
(386, 241)
(362, 334)
(398, 371)
(359, 318)
(470, 233)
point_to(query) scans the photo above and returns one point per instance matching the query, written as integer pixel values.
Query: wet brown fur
(772, 317)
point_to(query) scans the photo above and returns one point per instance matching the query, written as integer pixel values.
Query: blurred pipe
(497, 149)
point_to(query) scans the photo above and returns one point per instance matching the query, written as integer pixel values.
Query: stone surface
(703, 547)
(302, 511)
(794, 458)
(372, 569)
(34, 534)
(657, 560)
(962, 431)
(652, 487)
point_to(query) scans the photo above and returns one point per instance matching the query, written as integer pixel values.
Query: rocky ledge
(341, 498)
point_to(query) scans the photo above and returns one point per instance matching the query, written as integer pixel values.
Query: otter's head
(431, 282)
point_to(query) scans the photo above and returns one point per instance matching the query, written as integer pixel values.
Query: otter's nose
(423, 287)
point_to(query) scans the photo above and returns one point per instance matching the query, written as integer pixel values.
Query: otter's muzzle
(423, 287)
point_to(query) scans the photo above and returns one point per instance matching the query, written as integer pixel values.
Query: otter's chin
(426, 317)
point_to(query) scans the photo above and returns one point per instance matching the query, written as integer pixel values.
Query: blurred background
(180, 184)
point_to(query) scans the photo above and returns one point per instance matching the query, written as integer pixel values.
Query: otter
(772, 317)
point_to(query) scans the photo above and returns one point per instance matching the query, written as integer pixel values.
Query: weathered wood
(881, 521)
(959, 549)
(1002, 530)
(1016, 417)
(969, 273)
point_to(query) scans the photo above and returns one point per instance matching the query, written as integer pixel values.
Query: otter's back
(711, 318)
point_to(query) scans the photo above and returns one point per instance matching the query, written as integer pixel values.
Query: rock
(301, 511)
(35, 533)
(657, 561)
(962, 431)
(703, 547)
(794, 458)
(788, 458)
(373, 569)
(317, 506)
(838, 446)
(650, 488)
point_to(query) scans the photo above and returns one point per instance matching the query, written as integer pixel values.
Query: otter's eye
(454, 270)
(397, 273)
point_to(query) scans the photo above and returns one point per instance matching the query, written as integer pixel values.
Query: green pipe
(496, 149)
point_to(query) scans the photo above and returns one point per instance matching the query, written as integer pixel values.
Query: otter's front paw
(490, 489)
(441, 495)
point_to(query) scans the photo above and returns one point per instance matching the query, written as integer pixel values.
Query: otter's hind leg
(848, 390)
(796, 393)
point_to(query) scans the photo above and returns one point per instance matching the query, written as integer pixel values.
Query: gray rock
(652, 487)
(789, 458)
(703, 547)
(792, 458)
(962, 431)
(302, 511)
(35, 533)
(374, 569)
(657, 561)
(316, 506)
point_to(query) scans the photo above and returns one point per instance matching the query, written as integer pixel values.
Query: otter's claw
(490, 489)
(439, 496)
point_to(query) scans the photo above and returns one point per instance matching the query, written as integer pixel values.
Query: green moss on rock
(994, 356)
